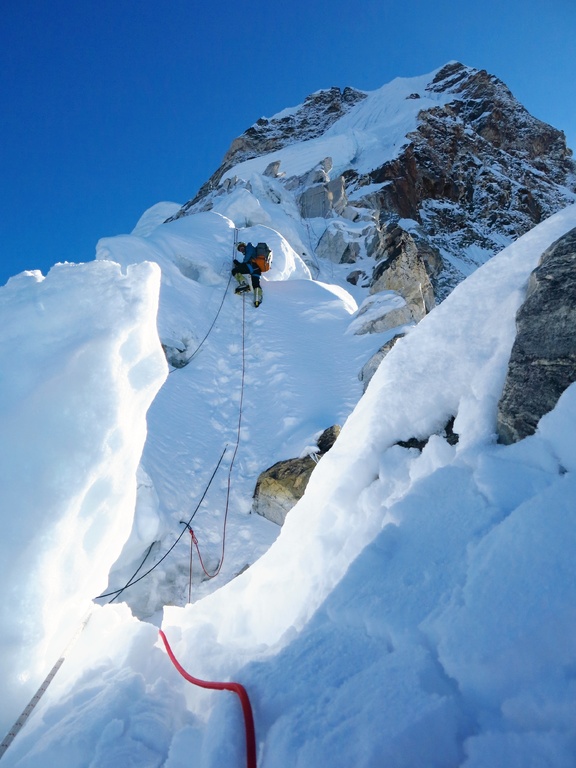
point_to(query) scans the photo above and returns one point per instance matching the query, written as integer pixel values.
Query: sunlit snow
(416, 608)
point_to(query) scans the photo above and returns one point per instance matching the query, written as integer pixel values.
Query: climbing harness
(236, 688)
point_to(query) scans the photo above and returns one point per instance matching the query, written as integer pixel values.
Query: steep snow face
(196, 254)
(364, 138)
(370, 598)
(81, 363)
(296, 124)
(411, 394)
(153, 217)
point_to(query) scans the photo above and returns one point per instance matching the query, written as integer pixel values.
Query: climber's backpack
(263, 257)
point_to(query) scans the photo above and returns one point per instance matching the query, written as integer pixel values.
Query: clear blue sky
(110, 106)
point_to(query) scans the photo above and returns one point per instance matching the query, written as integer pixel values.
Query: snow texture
(417, 607)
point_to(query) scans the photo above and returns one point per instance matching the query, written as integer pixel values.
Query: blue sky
(109, 107)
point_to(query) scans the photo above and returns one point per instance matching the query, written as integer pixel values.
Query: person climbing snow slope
(248, 267)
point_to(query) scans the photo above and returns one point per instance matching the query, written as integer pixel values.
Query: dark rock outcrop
(543, 359)
(447, 433)
(477, 172)
(283, 484)
(370, 368)
(401, 267)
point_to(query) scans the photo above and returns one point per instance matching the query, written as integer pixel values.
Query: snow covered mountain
(444, 170)
(416, 608)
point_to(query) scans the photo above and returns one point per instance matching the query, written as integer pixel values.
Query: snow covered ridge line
(87, 362)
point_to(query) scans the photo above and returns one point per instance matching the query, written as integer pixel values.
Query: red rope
(236, 688)
(191, 552)
(194, 541)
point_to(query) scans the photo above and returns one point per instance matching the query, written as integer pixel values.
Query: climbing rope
(194, 540)
(136, 572)
(199, 347)
(29, 708)
(236, 688)
(209, 331)
(131, 583)
(114, 594)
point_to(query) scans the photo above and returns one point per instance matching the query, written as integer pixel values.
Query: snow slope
(415, 609)
(372, 133)
(300, 374)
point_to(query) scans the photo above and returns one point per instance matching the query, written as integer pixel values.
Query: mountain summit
(443, 170)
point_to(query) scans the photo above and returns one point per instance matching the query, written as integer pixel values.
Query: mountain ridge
(452, 158)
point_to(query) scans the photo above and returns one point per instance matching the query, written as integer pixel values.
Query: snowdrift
(81, 363)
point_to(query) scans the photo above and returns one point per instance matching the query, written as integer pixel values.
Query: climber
(246, 267)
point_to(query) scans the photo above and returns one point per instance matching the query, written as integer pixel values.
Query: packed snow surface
(416, 609)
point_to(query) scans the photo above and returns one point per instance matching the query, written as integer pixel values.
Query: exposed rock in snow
(543, 360)
(337, 244)
(282, 485)
(381, 312)
(371, 366)
(402, 269)
(311, 119)
(322, 200)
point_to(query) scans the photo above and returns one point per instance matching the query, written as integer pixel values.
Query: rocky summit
(413, 186)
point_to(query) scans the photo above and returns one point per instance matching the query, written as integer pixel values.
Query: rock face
(543, 359)
(402, 268)
(476, 174)
(282, 485)
(370, 368)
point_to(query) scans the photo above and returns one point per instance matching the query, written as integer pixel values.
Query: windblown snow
(365, 138)
(416, 608)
